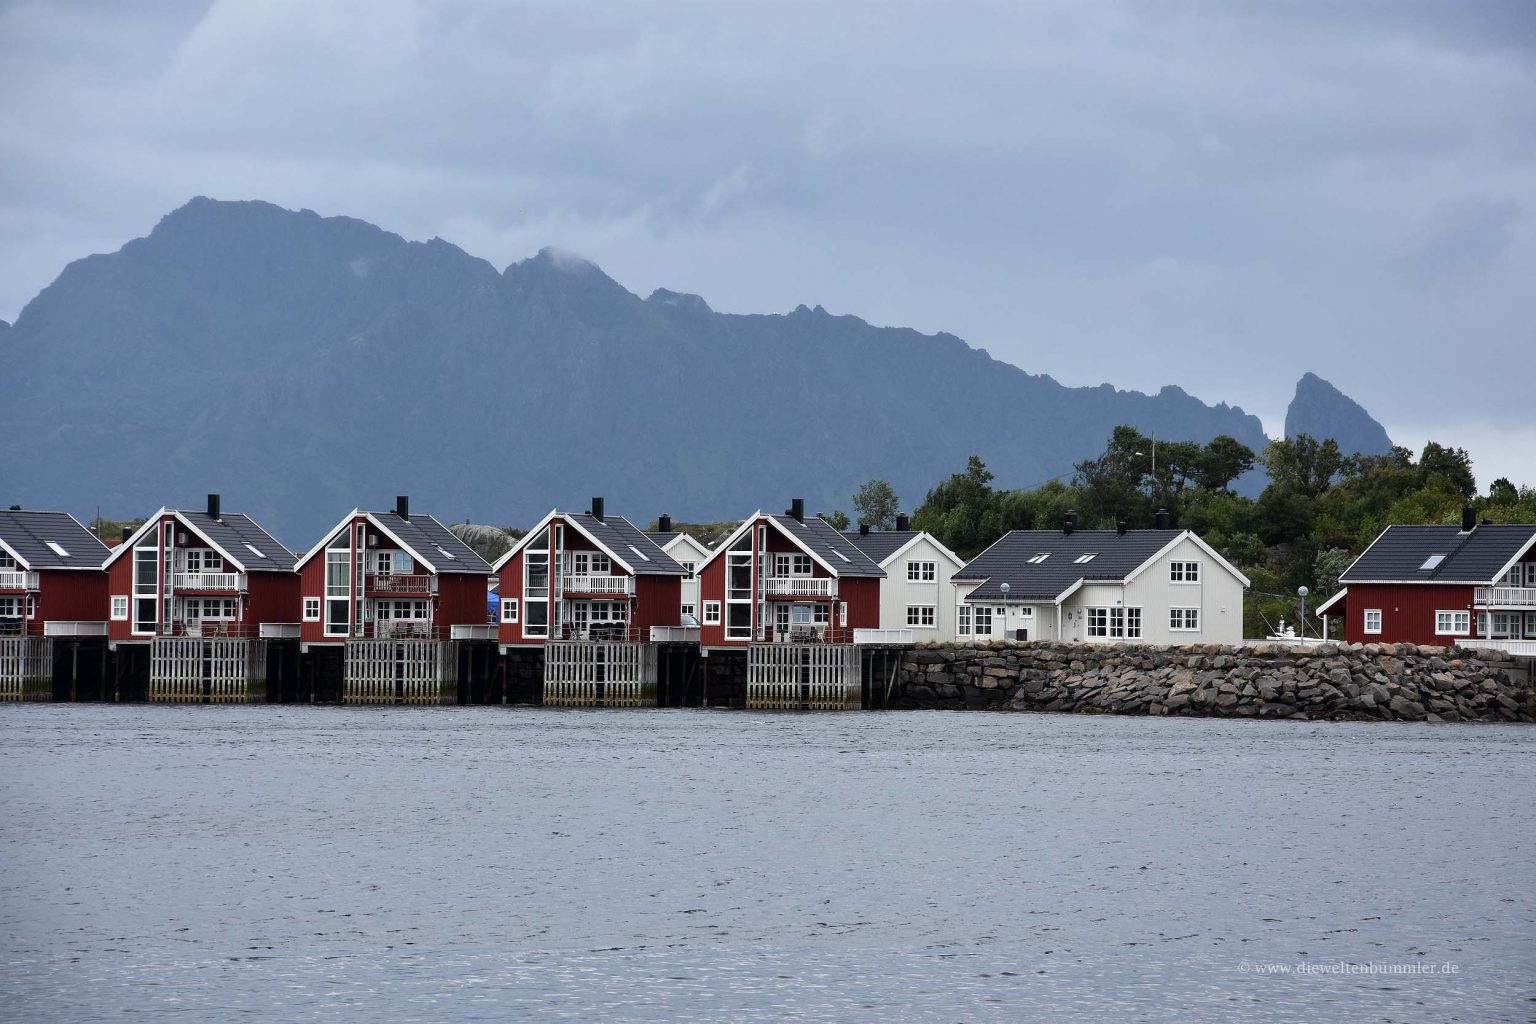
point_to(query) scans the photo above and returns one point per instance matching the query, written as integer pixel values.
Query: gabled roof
(426, 540)
(816, 537)
(674, 542)
(234, 535)
(883, 546)
(1401, 553)
(26, 536)
(632, 548)
(1116, 558)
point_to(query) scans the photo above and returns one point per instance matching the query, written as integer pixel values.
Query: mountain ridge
(303, 365)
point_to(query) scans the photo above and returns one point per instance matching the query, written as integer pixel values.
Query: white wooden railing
(225, 581)
(402, 584)
(624, 585)
(1503, 597)
(674, 634)
(18, 581)
(799, 586)
(1523, 648)
(62, 628)
(883, 637)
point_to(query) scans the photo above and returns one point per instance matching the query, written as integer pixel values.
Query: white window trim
(1185, 615)
(120, 616)
(509, 610)
(711, 613)
(1185, 563)
(922, 570)
(916, 621)
(1454, 630)
(313, 616)
(1365, 622)
(962, 619)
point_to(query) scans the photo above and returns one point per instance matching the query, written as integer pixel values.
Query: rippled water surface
(276, 864)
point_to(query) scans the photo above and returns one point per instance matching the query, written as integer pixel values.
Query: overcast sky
(1216, 195)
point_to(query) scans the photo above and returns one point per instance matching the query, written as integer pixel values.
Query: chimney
(1069, 522)
(127, 532)
(664, 523)
(1487, 521)
(15, 508)
(1121, 526)
(213, 507)
(1164, 521)
(902, 522)
(403, 506)
(597, 509)
(863, 529)
(797, 509)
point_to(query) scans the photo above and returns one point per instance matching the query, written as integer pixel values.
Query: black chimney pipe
(127, 532)
(1121, 526)
(863, 529)
(403, 506)
(213, 507)
(664, 523)
(797, 509)
(597, 509)
(1164, 522)
(1069, 522)
(902, 522)
(1468, 518)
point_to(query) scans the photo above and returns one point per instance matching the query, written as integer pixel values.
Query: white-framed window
(842, 613)
(1372, 620)
(31, 606)
(922, 571)
(1184, 572)
(711, 613)
(11, 608)
(981, 619)
(203, 560)
(119, 607)
(1453, 623)
(1117, 623)
(311, 609)
(1530, 624)
(692, 567)
(509, 609)
(1085, 558)
(1038, 557)
(922, 616)
(217, 608)
(1184, 620)
(7, 563)
(601, 565)
(1506, 625)
(1530, 574)
(1513, 577)
(688, 610)
(962, 620)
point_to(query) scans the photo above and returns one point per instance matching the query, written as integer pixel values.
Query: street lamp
(1302, 593)
(1004, 588)
(1151, 484)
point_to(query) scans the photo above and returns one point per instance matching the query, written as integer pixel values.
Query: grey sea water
(279, 864)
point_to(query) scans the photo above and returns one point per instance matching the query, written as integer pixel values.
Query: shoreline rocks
(1332, 681)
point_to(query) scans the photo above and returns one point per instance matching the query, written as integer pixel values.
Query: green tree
(1303, 464)
(875, 505)
(1454, 464)
(837, 520)
(1221, 462)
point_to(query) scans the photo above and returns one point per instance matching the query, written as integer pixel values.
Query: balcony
(1505, 597)
(18, 581)
(214, 582)
(799, 586)
(387, 583)
(620, 586)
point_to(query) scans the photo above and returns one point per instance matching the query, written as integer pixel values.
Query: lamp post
(1004, 588)
(1151, 483)
(1302, 593)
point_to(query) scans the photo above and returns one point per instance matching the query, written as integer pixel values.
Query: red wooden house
(207, 573)
(391, 575)
(587, 576)
(787, 578)
(1440, 585)
(51, 580)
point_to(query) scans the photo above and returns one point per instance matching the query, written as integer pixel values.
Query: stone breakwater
(1337, 681)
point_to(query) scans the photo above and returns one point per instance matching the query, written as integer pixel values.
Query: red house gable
(190, 573)
(786, 578)
(50, 572)
(586, 576)
(390, 574)
(1439, 585)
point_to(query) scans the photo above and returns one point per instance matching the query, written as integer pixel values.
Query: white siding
(684, 548)
(897, 592)
(1218, 596)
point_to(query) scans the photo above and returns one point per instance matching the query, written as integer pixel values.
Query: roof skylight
(1431, 562)
(253, 549)
(443, 551)
(1037, 559)
(1088, 557)
(57, 549)
(844, 557)
(639, 554)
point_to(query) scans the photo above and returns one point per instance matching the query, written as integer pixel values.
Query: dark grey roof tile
(28, 533)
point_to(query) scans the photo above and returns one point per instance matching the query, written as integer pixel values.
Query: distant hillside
(1323, 411)
(302, 366)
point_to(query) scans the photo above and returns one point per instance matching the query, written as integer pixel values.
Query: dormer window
(1038, 558)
